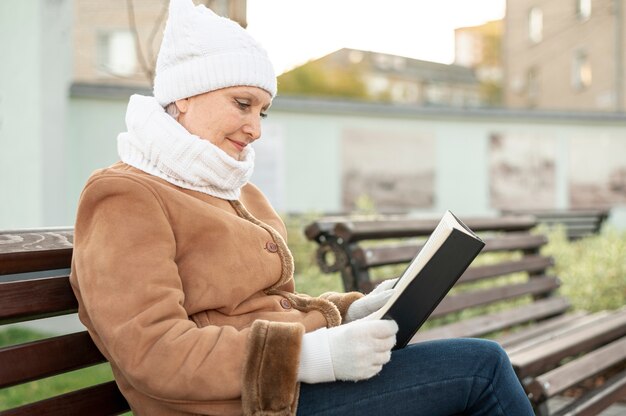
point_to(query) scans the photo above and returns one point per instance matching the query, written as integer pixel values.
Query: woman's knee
(482, 355)
(489, 346)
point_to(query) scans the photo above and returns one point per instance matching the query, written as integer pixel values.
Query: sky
(295, 31)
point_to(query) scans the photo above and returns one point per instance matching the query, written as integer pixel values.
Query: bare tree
(147, 59)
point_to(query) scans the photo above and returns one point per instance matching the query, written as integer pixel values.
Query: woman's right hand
(354, 351)
(359, 349)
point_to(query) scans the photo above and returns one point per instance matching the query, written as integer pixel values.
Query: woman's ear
(182, 105)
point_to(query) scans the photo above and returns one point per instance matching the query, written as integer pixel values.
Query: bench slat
(100, 400)
(13, 263)
(530, 264)
(351, 231)
(531, 337)
(531, 361)
(484, 324)
(514, 241)
(35, 250)
(403, 253)
(577, 234)
(597, 400)
(561, 213)
(36, 298)
(559, 379)
(48, 357)
(535, 286)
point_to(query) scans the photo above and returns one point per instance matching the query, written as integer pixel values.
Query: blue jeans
(445, 377)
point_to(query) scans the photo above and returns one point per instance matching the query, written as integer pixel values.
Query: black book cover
(422, 295)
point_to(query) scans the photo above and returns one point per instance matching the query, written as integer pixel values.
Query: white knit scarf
(157, 144)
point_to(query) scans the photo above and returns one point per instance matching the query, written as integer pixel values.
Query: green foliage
(365, 205)
(491, 93)
(317, 79)
(17, 335)
(592, 269)
(309, 278)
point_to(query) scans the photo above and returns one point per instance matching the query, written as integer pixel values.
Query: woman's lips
(238, 145)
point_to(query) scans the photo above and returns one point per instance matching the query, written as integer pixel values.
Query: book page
(436, 239)
(454, 222)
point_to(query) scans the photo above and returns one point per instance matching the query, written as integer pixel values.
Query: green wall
(93, 126)
(34, 80)
(20, 117)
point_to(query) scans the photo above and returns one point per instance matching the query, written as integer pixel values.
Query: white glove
(354, 351)
(371, 302)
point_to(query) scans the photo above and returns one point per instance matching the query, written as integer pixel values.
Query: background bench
(578, 223)
(24, 256)
(508, 294)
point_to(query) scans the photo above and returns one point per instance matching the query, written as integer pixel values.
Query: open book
(442, 260)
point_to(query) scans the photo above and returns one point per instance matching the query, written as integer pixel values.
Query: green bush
(592, 269)
(309, 279)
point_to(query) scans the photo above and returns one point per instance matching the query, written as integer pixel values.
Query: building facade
(405, 80)
(480, 48)
(565, 54)
(117, 41)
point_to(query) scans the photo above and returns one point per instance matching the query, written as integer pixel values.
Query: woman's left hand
(372, 302)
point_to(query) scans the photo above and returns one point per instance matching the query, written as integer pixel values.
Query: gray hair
(172, 110)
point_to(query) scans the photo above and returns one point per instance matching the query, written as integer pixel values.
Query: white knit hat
(202, 52)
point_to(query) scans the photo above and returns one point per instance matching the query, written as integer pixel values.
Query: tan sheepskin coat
(191, 297)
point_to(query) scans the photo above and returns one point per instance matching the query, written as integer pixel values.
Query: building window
(535, 25)
(583, 9)
(436, 94)
(399, 63)
(581, 71)
(116, 53)
(355, 57)
(383, 61)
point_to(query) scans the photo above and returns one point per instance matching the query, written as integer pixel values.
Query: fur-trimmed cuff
(342, 300)
(325, 307)
(270, 385)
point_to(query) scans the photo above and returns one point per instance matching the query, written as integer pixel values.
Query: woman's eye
(245, 106)
(242, 104)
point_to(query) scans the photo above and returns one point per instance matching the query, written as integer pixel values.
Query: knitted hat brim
(209, 73)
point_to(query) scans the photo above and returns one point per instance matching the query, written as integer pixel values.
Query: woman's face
(230, 118)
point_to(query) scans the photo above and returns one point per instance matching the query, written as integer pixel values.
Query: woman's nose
(253, 127)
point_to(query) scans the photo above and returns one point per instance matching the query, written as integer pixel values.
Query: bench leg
(541, 409)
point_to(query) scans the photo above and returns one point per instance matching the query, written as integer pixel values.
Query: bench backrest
(24, 296)
(510, 271)
(578, 223)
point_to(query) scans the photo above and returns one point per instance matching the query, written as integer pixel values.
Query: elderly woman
(185, 282)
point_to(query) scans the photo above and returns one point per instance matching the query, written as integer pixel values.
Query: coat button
(271, 246)
(285, 303)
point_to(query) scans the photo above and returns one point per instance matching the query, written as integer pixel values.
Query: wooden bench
(24, 295)
(578, 223)
(507, 294)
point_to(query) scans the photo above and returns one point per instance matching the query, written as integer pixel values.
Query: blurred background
(400, 106)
